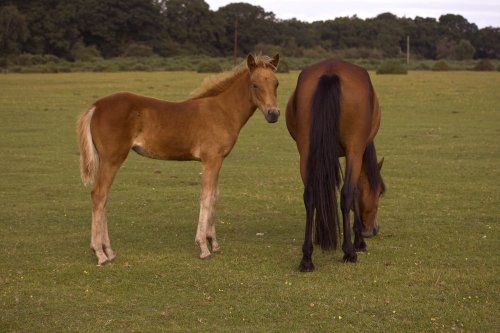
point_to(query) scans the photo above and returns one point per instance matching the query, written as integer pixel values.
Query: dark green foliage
(456, 27)
(450, 49)
(360, 53)
(441, 65)
(138, 50)
(423, 67)
(283, 67)
(464, 50)
(209, 66)
(13, 30)
(187, 27)
(81, 52)
(484, 65)
(392, 67)
(487, 43)
(29, 63)
(140, 67)
(28, 60)
(254, 25)
(193, 27)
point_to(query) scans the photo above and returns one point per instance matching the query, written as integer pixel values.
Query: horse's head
(264, 85)
(368, 203)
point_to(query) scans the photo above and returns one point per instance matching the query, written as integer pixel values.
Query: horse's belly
(164, 152)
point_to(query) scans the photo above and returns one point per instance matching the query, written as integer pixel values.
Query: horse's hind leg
(306, 264)
(100, 242)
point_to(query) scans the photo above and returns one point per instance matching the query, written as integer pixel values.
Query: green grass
(433, 268)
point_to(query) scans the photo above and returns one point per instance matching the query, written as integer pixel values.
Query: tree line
(77, 29)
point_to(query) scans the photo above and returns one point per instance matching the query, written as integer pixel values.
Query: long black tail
(323, 168)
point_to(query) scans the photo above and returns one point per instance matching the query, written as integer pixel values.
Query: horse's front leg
(205, 233)
(347, 201)
(359, 242)
(211, 234)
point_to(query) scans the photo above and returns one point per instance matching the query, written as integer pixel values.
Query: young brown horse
(203, 128)
(334, 112)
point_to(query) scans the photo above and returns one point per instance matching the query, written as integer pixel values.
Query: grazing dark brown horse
(203, 128)
(334, 112)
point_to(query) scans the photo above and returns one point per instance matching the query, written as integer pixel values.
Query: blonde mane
(216, 84)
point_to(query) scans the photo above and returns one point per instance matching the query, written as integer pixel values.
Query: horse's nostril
(274, 112)
(272, 115)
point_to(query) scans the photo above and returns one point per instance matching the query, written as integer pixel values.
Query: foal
(203, 128)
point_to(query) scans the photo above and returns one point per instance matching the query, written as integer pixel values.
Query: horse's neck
(236, 102)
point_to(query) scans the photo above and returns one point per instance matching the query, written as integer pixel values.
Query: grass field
(433, 268)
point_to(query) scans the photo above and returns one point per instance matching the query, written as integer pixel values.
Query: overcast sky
(481, 12)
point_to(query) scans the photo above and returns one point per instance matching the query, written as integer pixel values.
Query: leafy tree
(389, 34)
(298, 34)
(487, 43)
(464, 50)
(13, 30)
(52, 26)
(456, 27)
(445, 48)
(254, 25)
(423, 37)
(192, 25)
(80, 29)
(85, 53)
(112, 25)
(342, 33)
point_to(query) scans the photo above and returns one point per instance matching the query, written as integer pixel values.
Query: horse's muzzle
(272, 115)
(372, 232)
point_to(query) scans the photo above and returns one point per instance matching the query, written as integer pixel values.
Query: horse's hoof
(360, 247)
(206, 256)
(306, 266)
(350, 257)
(110, 254)
(216, 249)
(102, 259)
(102, 262)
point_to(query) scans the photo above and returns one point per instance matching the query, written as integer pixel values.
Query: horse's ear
(275, 61)
(380, 163)
(251, 62)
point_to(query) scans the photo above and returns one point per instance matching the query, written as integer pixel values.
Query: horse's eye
(277, 84)
(255, 86)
